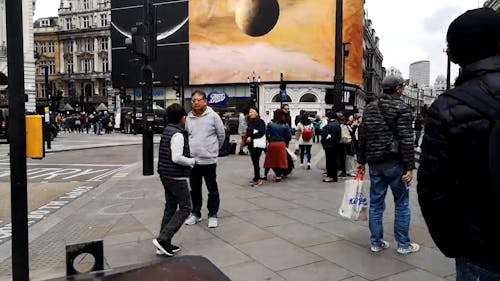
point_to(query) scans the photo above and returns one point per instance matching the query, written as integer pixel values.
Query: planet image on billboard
(257, 17)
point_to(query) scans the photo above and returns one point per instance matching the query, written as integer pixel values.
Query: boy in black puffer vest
(174, 167)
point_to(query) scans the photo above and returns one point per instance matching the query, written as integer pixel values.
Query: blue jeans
(467, 270)
(380, 180)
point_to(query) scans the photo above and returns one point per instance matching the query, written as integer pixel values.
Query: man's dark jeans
(176, 194)
(468, 269)
(255, 155)
(207, 172)
(331, 163)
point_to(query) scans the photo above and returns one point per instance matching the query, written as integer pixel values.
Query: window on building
(68, 46)
(68, 23)
(52, 67)
(85, 22)
(308, 98)
(88, 45)
(104, 20)
(42, 89)
(276, 98)
(104, 89)
(87, 65)
(69, 66)
(50, 47)
(43, 47)
(86, 4)
(44, 23)
(105, 65)
(104, 43)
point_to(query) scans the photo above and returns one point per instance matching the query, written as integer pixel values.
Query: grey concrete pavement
(280, 231)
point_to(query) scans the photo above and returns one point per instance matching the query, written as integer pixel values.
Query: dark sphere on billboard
(257, 17)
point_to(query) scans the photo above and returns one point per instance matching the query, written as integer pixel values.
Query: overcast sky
(409, 30)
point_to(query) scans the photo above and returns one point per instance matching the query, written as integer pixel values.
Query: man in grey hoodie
(206, 136)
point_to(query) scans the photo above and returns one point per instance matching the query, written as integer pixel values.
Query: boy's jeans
(380, 181)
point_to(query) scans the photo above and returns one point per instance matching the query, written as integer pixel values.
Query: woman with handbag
(256, 141)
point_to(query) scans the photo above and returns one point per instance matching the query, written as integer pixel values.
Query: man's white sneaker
(192, 220)
(384, 246)
(414, 247)
(212, 222)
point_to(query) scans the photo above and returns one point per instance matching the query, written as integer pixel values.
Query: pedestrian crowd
(458, 178)
(97, 123)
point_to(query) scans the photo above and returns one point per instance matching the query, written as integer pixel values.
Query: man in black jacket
(330, 139)
(386, 144)
(455, 189)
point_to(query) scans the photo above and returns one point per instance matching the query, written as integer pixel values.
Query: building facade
(373, 71)
(85, 52)
(47, 54)
(29, 60)
(420, 73)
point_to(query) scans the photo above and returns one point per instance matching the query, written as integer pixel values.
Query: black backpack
(489, 106)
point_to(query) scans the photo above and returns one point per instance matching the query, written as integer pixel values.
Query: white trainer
(384, 246)
(192, 220)
(414, 247)
(212, 222)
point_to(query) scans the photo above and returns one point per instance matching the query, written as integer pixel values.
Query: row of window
(103, 88)
(44, 47)
(86, 45)
(87, 66)
(86, 21)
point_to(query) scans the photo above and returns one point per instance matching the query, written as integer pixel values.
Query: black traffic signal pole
(147, 91)
(47, 96)
(338, 78)
(17, 131)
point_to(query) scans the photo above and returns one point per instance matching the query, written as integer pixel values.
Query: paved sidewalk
(280, 231)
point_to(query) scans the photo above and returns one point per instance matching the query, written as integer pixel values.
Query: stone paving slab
(302, 235)
(251, 271)
(318, 271)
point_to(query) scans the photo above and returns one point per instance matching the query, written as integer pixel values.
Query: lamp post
(339, 18)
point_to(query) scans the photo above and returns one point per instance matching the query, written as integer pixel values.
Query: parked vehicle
(4, 124)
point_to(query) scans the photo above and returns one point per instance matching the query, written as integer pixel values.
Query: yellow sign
(34, 137)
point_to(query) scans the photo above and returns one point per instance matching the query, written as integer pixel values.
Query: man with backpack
(305, 137)
(386, 144)
(458, 178)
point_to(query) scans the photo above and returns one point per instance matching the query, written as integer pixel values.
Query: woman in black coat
(256, 130)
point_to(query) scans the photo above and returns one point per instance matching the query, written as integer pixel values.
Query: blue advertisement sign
(283, 94)
(217, 98)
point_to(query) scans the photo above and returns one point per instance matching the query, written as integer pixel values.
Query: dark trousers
(341, 154)
(207, 172)
(307, 150)
(255, 155)
(331, 163)
(317, 135)
(176, 195)
(417, 137)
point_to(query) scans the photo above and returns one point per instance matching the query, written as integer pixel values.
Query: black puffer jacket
(383, 120)
(454, 189)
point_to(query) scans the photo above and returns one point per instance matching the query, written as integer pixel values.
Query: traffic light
(138, 42)
(177, 85)
(49, 90)
(253, 92)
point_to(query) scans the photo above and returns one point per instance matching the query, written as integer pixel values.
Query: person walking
(206, 137)
(174, 167)
(305, 137)
(330, 140)
(288, 117)
(278, 134)
(386, 144)
(255, 131)
(458, 183)
(317, 129)
(242, 131)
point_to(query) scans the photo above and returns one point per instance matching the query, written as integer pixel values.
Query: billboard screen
(173, 42)
(230, 39)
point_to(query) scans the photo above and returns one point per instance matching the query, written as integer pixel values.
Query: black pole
(182, 91)
(17, 131)
(133, 116)
(448, 74)
(147, 98)
(281, 94)
(338, 78)
(47, 96)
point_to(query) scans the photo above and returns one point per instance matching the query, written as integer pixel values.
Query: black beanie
(474, 35)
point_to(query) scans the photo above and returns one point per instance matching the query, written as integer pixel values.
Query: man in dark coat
(386, 144)
(455, 188)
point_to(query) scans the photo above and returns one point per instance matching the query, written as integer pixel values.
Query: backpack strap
(484, 103)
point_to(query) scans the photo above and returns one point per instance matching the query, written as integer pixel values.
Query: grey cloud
(440, 19)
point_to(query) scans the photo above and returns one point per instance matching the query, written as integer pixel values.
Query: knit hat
(474, 35)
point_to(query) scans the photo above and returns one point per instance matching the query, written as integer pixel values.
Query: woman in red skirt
(279, 135)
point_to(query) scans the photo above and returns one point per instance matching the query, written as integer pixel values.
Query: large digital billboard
(230, 39)
(173, 42)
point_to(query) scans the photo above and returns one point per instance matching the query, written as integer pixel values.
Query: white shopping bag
(355, 204)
